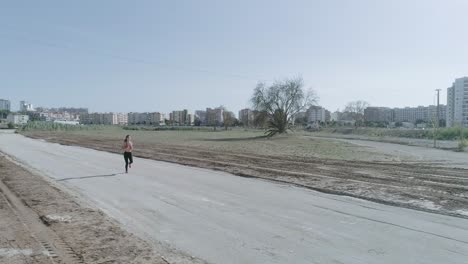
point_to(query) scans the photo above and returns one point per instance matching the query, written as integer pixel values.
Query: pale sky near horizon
(137, 56)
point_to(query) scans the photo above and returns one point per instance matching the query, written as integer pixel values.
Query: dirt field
(354, 171)
(249, 141)
(429, 143)
(41, 224)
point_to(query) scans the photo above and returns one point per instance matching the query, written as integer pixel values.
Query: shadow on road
(92, 176)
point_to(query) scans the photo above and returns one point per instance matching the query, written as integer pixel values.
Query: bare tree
(356, 110)
(281, 102)
(228, 119)
(214, 116)
(259, 119)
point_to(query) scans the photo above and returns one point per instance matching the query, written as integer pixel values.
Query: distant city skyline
(193, 111)
(162, 56)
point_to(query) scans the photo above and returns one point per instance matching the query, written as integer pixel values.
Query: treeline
(170, 128)
(49, 126)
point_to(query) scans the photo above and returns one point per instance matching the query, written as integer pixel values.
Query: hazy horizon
(162, 56)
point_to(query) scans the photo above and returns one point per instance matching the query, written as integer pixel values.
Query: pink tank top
(128, 146)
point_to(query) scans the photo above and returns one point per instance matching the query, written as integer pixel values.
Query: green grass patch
(50, 126)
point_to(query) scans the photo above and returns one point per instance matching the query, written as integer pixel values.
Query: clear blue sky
(166, 55)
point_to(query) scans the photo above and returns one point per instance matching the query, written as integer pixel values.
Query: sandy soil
(17, 245)
(418, 185)
(39, 223)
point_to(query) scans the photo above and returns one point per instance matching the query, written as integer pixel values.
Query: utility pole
(436, 125)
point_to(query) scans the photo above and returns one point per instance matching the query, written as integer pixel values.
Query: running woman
(128, 148)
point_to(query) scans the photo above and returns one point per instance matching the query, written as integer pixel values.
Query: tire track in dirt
(58, 251)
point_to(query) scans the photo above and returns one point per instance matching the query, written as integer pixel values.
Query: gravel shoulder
(40, 223)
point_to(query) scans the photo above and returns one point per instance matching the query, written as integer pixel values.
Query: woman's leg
(126, 161)
(130, 157)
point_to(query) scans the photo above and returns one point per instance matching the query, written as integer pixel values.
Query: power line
(133, 59)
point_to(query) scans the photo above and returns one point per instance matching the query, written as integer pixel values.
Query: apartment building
(17, 119)
(214, 116)
(120, 119)
(5, 105)
(432, 112)
(103, 119)
(246, 117)
(201, 115)
(406, 114)
(154, 118)
(410, 114)
(137, 118)
(378, 114)
(26, 107)
(59, 116)
(316, 114)
(180, 118)
(457, 103)
(163, 117)
(74, 110)
(420, 113)
(190, 120)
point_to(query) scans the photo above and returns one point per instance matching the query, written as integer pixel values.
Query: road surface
(223, 218)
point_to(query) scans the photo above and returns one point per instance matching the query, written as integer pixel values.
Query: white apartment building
(5, 105)
(406, 114)
(66, 122)
(316, 114)
(59, 116)
(214, 117)
(457, 103)
(17, 119)
(103, 118)
(190, 119)
(26, 107)
(411, 114)
(120, 119)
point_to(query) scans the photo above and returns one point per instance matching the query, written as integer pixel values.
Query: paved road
(228, 219)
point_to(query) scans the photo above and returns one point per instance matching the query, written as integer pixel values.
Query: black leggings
(128, 157)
